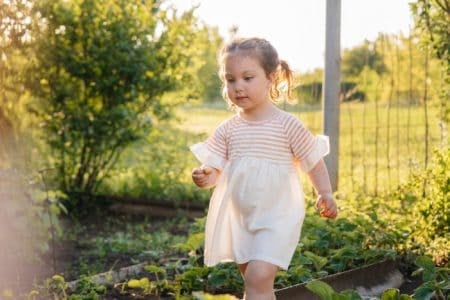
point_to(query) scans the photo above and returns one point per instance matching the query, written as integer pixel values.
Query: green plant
(206, 296)
(54, 287)
(326, 292)
(144, 284)
(157, 285)
(394, 294)
(100, 70)
(87, 289)
(157, 168)
(426, 197)
(436, 282)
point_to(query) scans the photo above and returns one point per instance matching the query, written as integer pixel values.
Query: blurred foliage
(99, 75)
(208, 74)
(432, 19)
(389, 68)
(312, 92)
(427, 197)
(158, 168)
(416, 213)
(15, 146)
(365, 55)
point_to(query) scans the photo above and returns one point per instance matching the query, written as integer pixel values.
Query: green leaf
(423, 293)
(217, 279)
(318, 261)
(350, 295)
(194, 242)
(390, 294)
(425, 262)
(321, 289)
(134, 284)
(155, 269)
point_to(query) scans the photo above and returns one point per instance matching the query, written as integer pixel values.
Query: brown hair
(267, 56)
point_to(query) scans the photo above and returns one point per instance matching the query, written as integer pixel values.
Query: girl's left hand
(205, 177)
(327, 206)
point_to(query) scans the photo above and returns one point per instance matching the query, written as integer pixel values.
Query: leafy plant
(326, 292)
(100, 71)
(427, 198)
(156, 287)
(207, 296)
(144, 283)
(436, 279)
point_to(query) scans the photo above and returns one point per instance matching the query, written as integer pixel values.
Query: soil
(103, 224)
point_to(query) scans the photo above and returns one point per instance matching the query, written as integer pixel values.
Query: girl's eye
(229, 80)
(248, 78)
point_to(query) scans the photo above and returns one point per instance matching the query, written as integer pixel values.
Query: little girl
(252, 159)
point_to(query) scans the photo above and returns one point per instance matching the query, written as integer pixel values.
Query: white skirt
(255, 213)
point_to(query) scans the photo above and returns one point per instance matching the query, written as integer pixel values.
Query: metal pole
(331, 87)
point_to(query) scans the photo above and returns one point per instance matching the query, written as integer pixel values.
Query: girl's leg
(242, 268)
(259, 278)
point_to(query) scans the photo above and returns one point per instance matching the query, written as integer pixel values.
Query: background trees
(99, 74)
(14, 36)
(432, 19)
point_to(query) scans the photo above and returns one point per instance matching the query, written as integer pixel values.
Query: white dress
(257, 208)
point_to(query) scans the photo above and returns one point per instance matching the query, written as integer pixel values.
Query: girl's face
(246, 83)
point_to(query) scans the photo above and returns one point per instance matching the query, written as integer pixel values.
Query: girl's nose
(238, 87)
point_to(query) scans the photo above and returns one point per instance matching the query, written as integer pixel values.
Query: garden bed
(369, 281)
(129, 251)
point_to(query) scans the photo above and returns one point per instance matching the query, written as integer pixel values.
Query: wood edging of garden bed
(152, 207)
(111, 278)
(370, 280)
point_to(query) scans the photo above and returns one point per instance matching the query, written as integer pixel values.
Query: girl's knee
(260, 274)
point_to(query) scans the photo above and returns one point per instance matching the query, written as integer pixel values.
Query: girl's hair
(267, 56)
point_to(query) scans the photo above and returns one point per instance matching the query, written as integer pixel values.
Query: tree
(354, 60)
(432, 17)
(208, 73)
(14, 29)
(99, 73)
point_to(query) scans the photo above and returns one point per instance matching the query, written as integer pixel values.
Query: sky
(297, 27)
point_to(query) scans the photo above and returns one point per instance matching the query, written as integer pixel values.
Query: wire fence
(392, 132)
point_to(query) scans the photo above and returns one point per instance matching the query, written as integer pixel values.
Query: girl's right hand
(205, 177)
(327, 206)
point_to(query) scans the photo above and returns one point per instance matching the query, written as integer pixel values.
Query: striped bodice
(282, 139)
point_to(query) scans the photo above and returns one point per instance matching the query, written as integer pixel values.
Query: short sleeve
(307, 148)
(213, 152)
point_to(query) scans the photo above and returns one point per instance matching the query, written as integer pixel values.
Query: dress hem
(270, 260)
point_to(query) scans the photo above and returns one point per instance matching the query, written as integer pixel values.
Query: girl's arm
(321, 181)
(205, 177)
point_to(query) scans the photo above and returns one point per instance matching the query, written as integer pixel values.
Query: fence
(393, 132)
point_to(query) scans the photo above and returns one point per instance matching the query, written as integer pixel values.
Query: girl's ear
(272, 77)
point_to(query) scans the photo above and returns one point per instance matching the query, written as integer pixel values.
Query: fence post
(331, 87)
